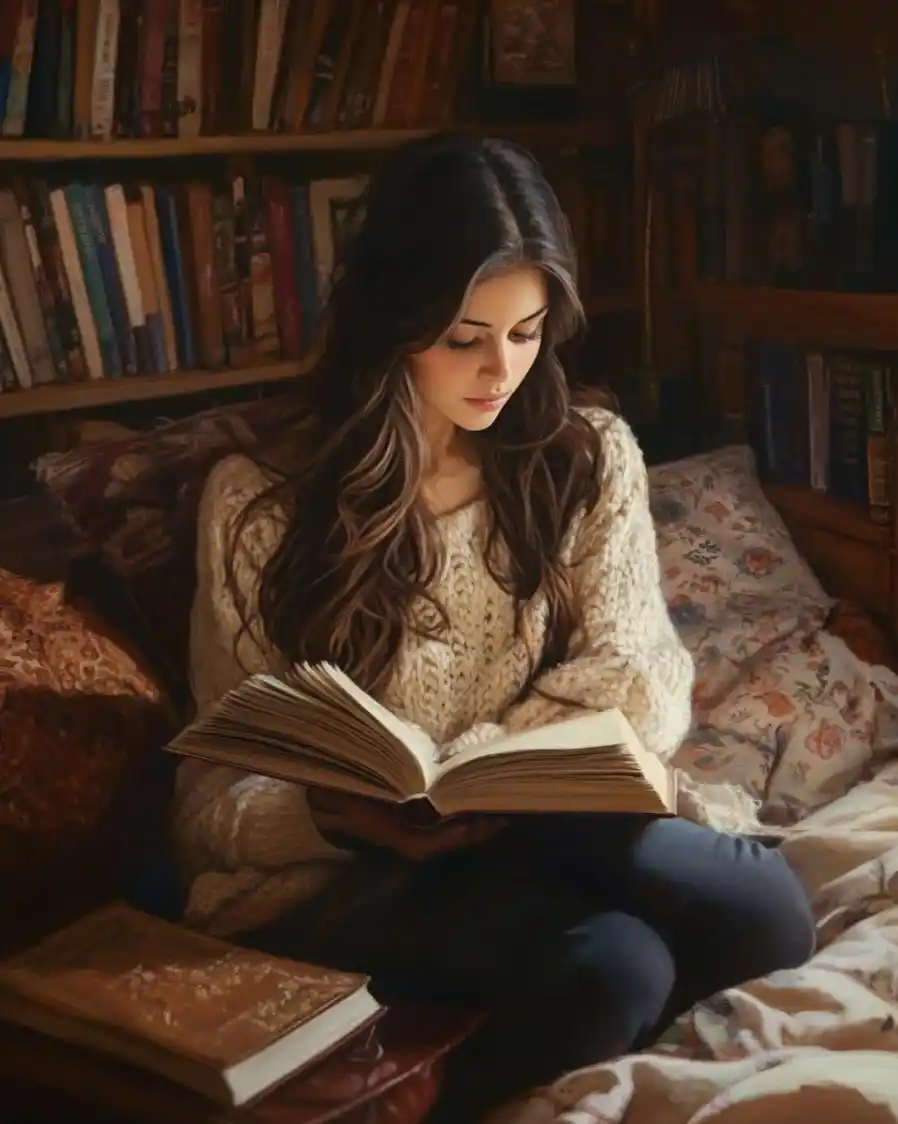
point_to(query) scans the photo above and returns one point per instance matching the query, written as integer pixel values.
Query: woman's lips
(487, 405)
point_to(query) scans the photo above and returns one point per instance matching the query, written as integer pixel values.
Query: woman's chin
(475, 418)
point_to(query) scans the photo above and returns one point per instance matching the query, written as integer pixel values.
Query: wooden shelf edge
(804, 505)
(557, 135)
(142, 388)
(860, 320)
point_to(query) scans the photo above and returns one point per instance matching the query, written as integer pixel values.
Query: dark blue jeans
(582, 936)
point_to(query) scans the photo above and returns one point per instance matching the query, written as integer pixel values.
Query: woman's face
(467, 376)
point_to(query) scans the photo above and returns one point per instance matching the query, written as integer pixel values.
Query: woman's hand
(338, 814)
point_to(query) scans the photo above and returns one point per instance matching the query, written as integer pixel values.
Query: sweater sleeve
(626, 653)
(227, 821)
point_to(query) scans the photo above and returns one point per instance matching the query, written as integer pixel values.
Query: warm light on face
(468, 376)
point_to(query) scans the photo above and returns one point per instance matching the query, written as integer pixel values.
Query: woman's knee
(780, 931)
(609, 981)
(729, 892)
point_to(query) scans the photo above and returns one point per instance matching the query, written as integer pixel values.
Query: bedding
(786, 708)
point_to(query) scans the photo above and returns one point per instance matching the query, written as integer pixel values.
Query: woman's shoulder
(622, 459)
(235, 482)
(599, 417)
(240, 499)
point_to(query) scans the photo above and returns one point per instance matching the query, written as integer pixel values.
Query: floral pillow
(732, 576)
(782, 705)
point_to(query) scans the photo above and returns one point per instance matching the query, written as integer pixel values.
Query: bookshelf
(756, 251)
(853, 555)
(332, 113)
(554, 138)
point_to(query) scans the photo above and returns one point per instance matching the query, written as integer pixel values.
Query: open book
(227, 1022)
(315, 726)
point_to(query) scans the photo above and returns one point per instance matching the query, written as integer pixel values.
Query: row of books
(113, 280)
(152, 68)
(821, 419)
(806, 203)
(109, 280)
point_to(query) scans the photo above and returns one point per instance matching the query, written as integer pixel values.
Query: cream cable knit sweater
(248, 846)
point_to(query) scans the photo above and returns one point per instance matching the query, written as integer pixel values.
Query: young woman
(444, 525)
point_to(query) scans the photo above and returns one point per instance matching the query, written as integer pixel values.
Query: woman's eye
(461, 345)
(525, 337)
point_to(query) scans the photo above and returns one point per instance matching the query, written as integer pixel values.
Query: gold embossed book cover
(228, 1022)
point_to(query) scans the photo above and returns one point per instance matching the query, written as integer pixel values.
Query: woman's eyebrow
(523, 320)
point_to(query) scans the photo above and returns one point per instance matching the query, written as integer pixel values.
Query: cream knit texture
(248, 847)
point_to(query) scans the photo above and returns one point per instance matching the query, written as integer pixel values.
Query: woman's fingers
(375, 821)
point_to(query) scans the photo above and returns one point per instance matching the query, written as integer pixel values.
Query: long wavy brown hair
(360, 545)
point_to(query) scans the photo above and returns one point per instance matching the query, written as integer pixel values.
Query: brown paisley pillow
(79, 722)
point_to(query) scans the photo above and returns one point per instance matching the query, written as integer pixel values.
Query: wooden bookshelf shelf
(563, 135)
(817, 509)
(143, 388)
(835, 319)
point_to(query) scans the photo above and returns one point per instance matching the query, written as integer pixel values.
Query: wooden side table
(387, 1075)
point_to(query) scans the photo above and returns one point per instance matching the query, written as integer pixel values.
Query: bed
(784, 706)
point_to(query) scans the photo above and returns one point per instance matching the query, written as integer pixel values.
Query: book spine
(102, 99)
(76, 200)
(13, 336)
(167, 215)
(101, 234)
(157, 263)
(135, 330)
(226, 271)
(266, 341)
(44, 290)
(848, 431)
(74, 272)
(190, 68)
(879, 447)
(153, 64)
(280, 226)
(20, 70)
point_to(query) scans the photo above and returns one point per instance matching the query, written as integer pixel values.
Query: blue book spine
(167, 214)
(76, 200)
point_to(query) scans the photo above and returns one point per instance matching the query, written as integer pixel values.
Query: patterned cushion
(782, 705)
(78, 722)
(732, 576)
(133, 502)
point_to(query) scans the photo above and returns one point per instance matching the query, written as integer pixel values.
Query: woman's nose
(498, 366)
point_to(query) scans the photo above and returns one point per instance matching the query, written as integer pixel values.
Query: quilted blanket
(812, 729)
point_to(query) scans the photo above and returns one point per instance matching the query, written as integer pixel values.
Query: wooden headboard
(853, 556)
